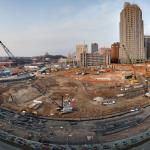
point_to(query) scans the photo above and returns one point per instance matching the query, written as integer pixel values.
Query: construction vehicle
(44, 93)
(146, 70)
(133, 77)
(146, 77)
(147, 94)
(83, 70)
(65, 106)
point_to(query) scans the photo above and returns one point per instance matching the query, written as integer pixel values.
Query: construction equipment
(146, 70)
(8, 52)
(146, 77)
(133, 79)
(65, 106)
(15, 60)
(147, 94)
(44, 93)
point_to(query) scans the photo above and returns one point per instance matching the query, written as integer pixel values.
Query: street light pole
(70, 135)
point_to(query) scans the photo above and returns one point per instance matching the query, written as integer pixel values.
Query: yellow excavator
(133, 78)
(146, 70)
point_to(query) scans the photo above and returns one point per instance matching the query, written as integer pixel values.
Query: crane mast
(134, 73)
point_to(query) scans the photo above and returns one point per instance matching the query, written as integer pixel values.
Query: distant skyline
(34, 27)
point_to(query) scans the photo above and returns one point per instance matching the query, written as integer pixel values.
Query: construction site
(89, 95)
(74, 106)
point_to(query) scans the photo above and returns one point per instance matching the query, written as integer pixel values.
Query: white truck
(147, 94)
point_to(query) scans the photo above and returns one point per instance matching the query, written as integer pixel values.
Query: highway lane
(144, 146)
(4, 146)
(58, 131)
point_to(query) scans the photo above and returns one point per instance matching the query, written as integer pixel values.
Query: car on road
(106, 147)
(134, 109)
(125, 143)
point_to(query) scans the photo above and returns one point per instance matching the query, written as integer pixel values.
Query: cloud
(96, 22)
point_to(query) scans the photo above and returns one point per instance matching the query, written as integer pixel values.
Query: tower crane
(134, 79)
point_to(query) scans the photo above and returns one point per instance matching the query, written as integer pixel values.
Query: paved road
(145, 146)
(58, 131)
(4, 146)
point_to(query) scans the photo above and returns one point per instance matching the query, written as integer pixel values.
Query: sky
(34, 27)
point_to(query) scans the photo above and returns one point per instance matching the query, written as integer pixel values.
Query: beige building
(131, 34)
(106, 52)
(79, 50)
(94, 59)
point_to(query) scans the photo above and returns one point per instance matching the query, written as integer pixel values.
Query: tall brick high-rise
(131, 34)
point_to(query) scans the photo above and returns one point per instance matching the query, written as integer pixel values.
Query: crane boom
(134, 73)
(44, 93)
(8, 52)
